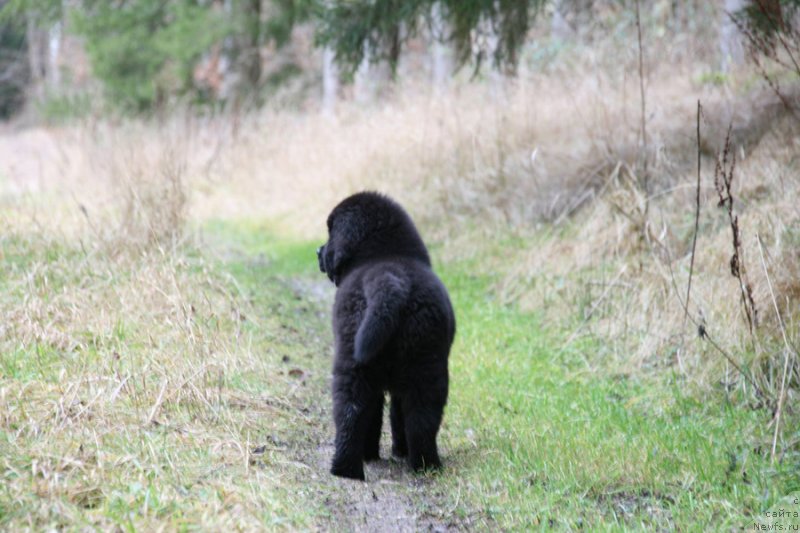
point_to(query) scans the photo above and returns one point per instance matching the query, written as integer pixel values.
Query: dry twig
(723, 182)
(643, 101)
(696, 216)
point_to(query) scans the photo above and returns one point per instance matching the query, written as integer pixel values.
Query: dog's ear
(330, 261)
(347, 231)
(336, 259)
(321, 257)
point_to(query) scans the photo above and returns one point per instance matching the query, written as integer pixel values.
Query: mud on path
(390, 500)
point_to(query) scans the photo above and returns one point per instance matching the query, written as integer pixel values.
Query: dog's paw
(349, 472)
(372, 456)
(399, 451)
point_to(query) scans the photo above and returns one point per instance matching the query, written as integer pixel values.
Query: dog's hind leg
(372, 444)
(399, 443)
(422, 420)
(354, 406)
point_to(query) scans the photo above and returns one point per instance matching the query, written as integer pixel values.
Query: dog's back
(397, 314)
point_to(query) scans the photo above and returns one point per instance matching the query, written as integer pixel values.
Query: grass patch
(536, 441)
(160, 392)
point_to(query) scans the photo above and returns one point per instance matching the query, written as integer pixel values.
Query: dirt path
(386, 502)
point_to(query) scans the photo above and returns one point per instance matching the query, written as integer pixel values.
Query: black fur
(393, 325)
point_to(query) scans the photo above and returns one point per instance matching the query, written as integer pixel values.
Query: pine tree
(144, 51)
(383, 26)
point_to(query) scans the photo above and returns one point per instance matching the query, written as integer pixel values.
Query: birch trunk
(441, 55)
(330, 80)
(730, 38)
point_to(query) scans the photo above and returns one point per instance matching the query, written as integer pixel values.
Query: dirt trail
(383, 503)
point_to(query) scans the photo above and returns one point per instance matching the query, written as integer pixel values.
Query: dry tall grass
(124, 354)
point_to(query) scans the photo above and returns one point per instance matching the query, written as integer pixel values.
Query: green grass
(531, 439)
(535, 442)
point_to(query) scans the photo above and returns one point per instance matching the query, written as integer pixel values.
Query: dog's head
(367, 226)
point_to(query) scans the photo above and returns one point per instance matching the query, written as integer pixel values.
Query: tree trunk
(569, 16)
(363, 84)
(371, 78)
(36, 55)
(560, 29)
(441, 55)
(330, 80)
(497, 79)
(249, 45)
(730, 38)
(54, 56)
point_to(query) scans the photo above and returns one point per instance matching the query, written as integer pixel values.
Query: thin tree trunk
(250, 48)
(441, 55)
(54, 56)
(497, 78)
(35, 39)
(330, 80)
(371, 78)
(560, 29)
(363, 85)
(730, 38)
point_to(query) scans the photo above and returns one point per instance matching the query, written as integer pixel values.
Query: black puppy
(393, 325)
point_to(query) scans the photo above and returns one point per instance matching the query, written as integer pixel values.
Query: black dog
(393, 325)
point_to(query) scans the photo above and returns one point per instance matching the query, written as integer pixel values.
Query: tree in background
(378, 29)
(147, 53)
(257, 24)
(772, 35)
(14, 67)
(441, 56)
(144, 50)
(731, 46)
(42, 22)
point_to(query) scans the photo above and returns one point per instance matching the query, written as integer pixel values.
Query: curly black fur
(393, 325)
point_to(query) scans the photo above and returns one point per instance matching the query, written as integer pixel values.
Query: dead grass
(136, 383)
(134, 375)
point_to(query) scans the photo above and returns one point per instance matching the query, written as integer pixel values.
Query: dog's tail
(386, 296)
